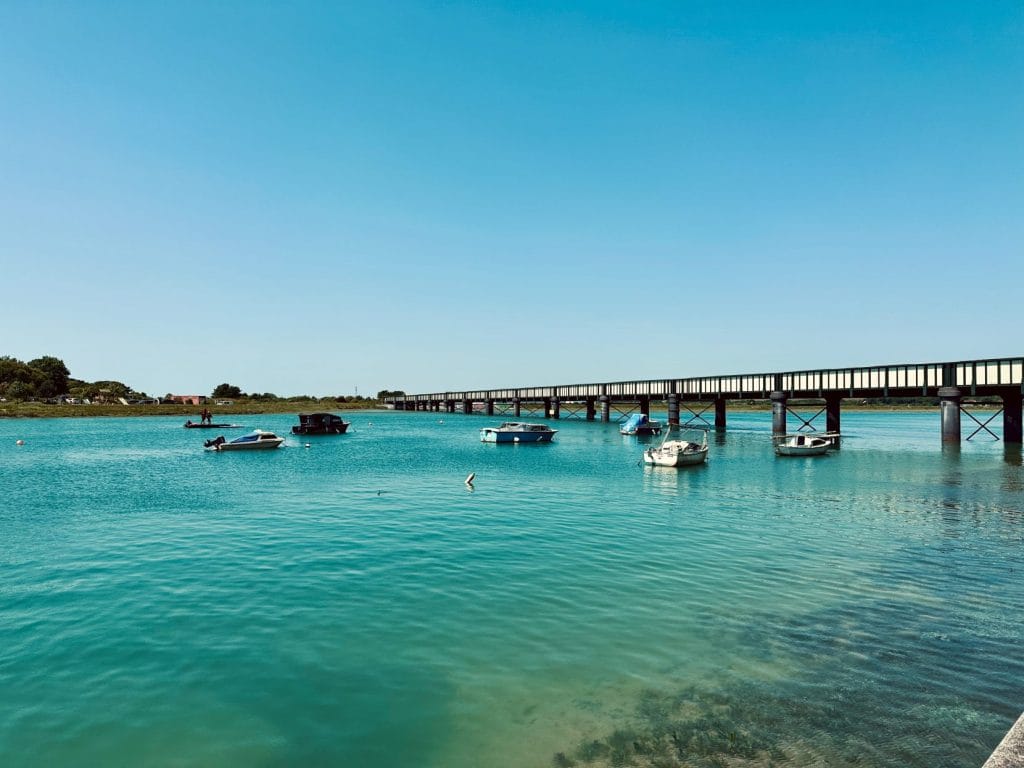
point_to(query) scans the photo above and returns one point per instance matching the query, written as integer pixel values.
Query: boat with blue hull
(517, 432)
(640, 424)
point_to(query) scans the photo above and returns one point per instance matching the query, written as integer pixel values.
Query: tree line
(43, 377)
(48, 377)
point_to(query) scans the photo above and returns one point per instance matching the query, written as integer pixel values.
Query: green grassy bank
(48, 410)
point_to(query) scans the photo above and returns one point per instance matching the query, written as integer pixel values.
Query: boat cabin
(320, 424)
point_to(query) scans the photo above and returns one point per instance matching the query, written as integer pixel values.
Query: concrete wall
(1010, 752)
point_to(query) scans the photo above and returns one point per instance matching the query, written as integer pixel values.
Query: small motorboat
(259, 440)
(640, 424)
(802, 445)
(517, 432)
(677, 450)
(203, 425)
(320, 424)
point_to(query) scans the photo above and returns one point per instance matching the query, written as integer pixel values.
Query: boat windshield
(698, 435)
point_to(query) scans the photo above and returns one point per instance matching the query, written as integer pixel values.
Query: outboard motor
(215, 442)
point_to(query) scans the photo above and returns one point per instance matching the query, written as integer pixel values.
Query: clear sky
(314, 197)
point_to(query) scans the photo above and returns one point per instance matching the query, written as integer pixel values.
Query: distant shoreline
(184, 412)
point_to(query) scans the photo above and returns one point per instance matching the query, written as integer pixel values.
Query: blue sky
(314, 197)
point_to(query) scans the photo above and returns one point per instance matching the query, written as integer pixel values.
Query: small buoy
(20, 442)
(469, 480)
(307, 445)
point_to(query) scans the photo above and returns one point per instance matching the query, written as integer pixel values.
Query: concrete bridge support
(490, 407)
(779, 400)
(555, 409)
(673, 409)
(645, 406)
(606, 408)
(833, 403)
(591, 409)
(720, 414)
(467, 407)
(517, 407)
(949, 414)
(1013, 433)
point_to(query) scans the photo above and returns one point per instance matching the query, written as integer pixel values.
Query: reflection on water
(657, 478)
(1012, 454)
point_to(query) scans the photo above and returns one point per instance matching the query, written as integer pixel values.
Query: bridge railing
(918, 378)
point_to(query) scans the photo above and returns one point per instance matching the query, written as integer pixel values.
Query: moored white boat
(259, 440)
(802, 445)
(517, 432)
(677, 450)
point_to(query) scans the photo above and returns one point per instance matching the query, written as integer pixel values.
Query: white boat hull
(803, 445)
(676, 454)
(259, 440)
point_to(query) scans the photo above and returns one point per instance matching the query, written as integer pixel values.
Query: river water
(354, 603)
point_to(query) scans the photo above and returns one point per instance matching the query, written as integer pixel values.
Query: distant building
(189, 399)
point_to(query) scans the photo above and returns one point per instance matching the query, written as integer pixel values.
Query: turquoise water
(354, 603)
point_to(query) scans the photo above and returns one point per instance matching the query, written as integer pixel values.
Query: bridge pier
(555, 409)
(949, 414)
(779, 400)
(673, 409)
(606, 408)
(719, 414)
(490, 407)
(832, 412)
(517, 406)
(591, 409)
(1013, 433)
(467, 407)
(645, 406)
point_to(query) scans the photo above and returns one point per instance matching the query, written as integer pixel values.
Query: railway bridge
(955, 386)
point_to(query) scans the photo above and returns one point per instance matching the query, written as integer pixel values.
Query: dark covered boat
(320, 424)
